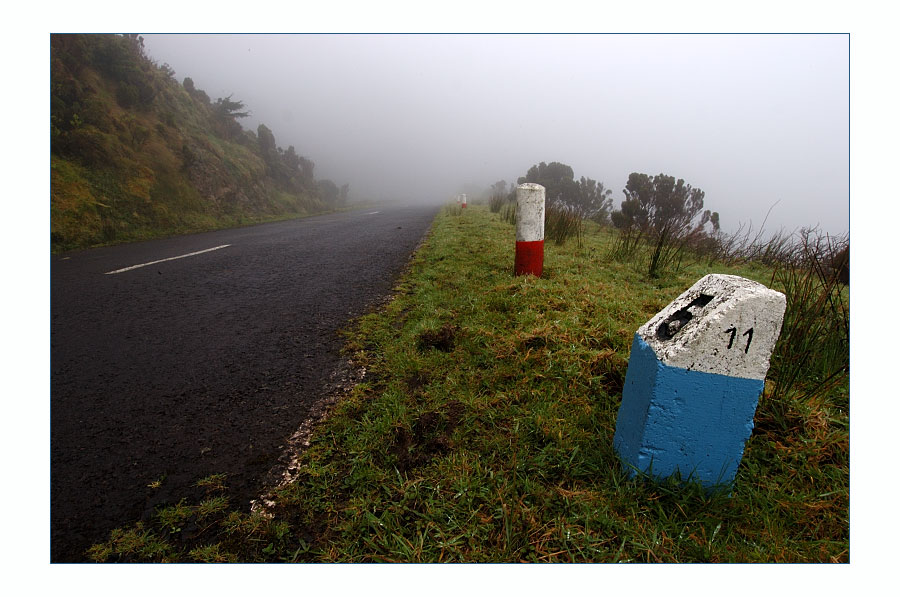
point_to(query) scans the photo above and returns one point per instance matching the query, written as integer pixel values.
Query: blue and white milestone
(695, 375)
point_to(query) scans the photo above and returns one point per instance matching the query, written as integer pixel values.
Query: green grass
(483, 433)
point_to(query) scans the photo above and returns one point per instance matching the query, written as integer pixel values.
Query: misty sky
(751, 119)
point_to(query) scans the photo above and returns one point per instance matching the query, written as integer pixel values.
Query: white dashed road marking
(125, 269)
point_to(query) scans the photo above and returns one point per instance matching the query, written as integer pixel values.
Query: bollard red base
(530, 258)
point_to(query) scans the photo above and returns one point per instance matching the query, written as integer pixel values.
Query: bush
(88, 145)
(665, 213)
(127, 95)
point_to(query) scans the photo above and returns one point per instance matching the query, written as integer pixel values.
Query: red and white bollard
(464, 200)
(530, 198)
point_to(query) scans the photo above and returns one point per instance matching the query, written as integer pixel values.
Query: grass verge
(483, 433)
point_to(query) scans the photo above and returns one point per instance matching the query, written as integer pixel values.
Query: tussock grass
(453, 210)
(483, 432)
(508, 212)
(563, 222)
(811, 360)
(496, 202)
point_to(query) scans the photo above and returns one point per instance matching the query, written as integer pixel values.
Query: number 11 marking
(733, 331)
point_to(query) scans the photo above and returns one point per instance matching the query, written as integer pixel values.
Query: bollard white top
(530, 212)
(731, 330)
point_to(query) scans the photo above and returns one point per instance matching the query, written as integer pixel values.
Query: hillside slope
(135, 154)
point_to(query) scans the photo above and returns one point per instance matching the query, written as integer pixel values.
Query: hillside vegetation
(136, 154)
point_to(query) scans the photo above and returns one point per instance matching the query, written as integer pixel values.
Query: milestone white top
(722, 324)
(529, 212)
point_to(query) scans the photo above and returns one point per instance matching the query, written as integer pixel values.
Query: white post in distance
(464, 200)
(530, 200)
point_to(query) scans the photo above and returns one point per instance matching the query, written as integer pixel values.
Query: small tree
(194, 92)
(586, 196)
(267, 146)
(593, 199)
(307, 169)
(665, 212)
(498, 188)
(227, 108)
(167, 70)
(557, 178)
(291, 159)
(329, 191)
(226, 112)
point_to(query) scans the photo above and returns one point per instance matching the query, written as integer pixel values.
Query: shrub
(127, 95)
(563, 222)
(88, 145)
(665, 212)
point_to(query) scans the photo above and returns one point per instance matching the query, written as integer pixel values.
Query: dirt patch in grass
(429, 437)
(534, 343)
(442, 339)
(416, 382)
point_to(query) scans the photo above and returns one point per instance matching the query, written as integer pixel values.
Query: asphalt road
(202, 364)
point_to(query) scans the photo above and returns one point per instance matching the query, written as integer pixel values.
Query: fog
(755, 121)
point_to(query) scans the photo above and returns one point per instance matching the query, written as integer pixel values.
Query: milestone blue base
(677, 421)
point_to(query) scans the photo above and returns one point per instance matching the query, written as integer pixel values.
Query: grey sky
(751, 119)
